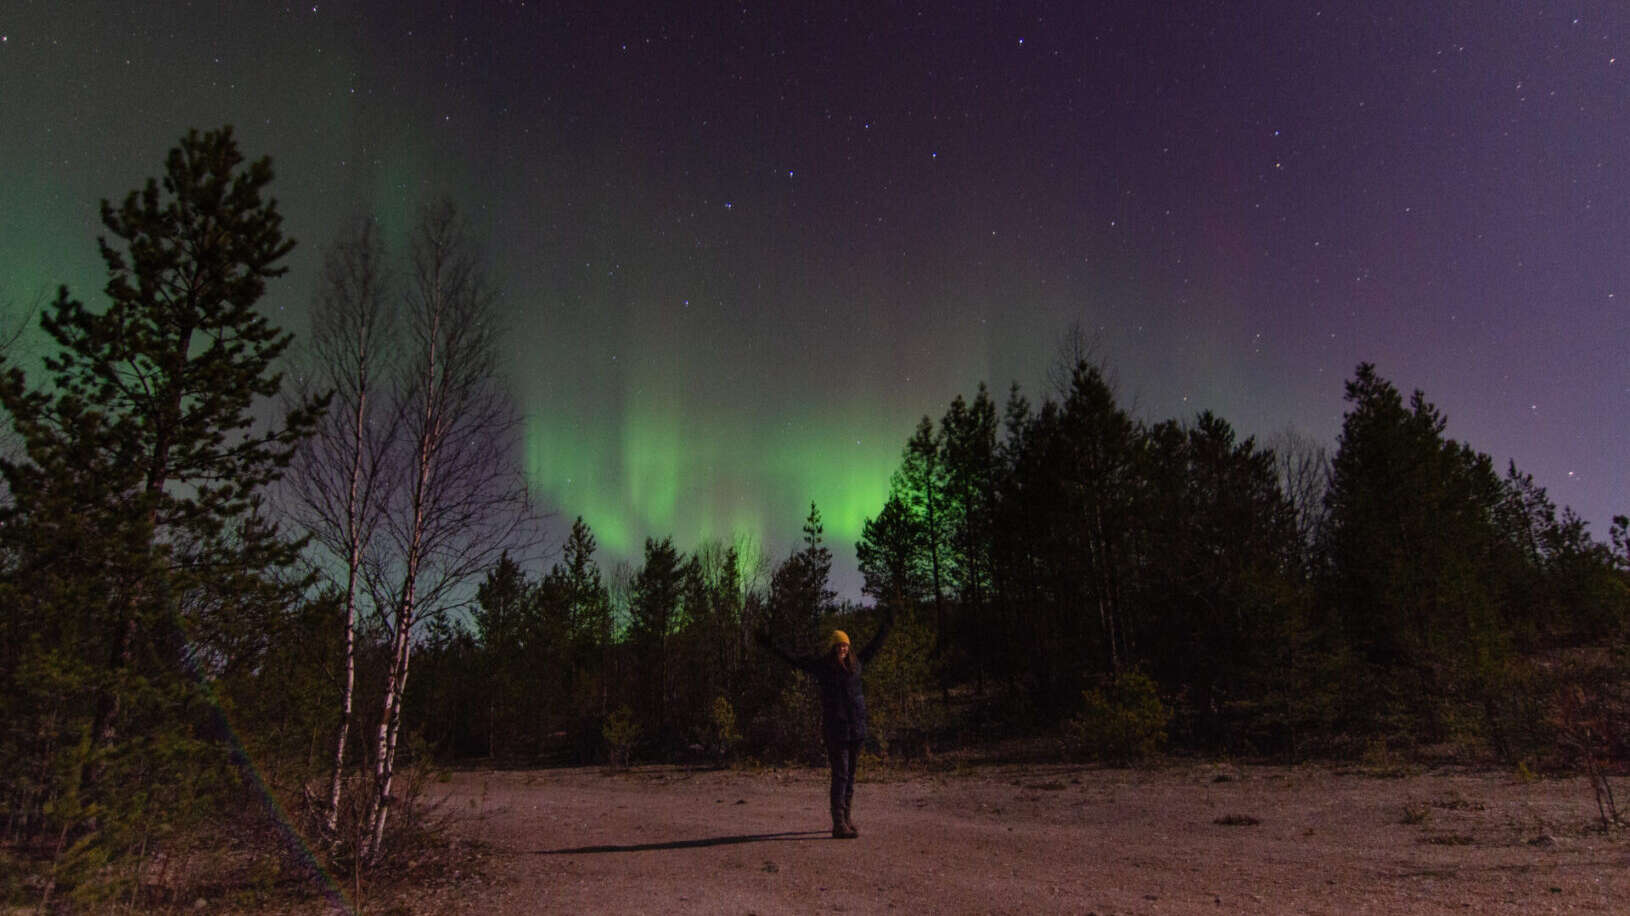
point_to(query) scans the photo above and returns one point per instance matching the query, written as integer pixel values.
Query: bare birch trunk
(390, 723)
(464, 500)
(390, 718)
(426, 445)
(348, 692)
(339, 473)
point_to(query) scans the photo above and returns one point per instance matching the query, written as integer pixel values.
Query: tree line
(1283, 600)
(228, 591)
(1397, 596)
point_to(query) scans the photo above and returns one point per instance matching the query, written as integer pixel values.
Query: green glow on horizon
(846, 475)
(667, 472)
(702, 433)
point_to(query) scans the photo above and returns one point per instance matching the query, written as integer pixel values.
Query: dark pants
(842, 756)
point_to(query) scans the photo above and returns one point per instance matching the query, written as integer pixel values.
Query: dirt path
(1034, 839)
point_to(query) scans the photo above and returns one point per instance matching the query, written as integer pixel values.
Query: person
(843, 712)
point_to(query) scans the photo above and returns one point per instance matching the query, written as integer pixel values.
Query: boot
(849, 822)
(840, 825)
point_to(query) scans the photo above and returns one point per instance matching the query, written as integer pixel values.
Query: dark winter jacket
(843, 706)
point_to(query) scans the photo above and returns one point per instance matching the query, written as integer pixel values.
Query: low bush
(1122, 722)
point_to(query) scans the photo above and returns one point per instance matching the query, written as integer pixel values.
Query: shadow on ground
(689, 844)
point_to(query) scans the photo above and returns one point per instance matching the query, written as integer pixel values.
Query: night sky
(744, 250)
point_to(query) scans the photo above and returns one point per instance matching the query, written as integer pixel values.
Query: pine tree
(817, 566)
(137, 510)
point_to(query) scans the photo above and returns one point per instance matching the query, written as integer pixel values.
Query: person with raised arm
(843, 711)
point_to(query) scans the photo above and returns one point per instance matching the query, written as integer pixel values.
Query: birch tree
(459, 499)
(337, 477)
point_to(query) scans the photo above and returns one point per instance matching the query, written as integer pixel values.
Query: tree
(891, 556)
(1560, 577)
(716, 643)
(580, 583)
(799, 589)
(11, 335)
(1015, 537)
(1304, 476)
(1216, 568)
(799, 603)
(337, 477)
(577, 583)
(1062, 549)
(920, 481)
(968, 446)
(458, 498)
(138, 508)
(1409, 542)
(817, 566)
(654, 608)
(1092, 458)
(507, 626)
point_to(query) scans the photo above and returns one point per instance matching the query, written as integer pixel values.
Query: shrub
(722, 734)
(1122, 722)
(898, 683)
(1586, 722)
(620, 731)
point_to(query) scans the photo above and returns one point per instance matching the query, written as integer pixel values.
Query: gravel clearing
(1180, 838)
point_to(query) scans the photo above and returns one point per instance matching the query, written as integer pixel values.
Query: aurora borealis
(743, 249)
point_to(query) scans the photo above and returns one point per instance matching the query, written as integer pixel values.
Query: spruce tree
(578, 582)
(968, 449)
(921, 482)
(800, 593)
(1409, 570)
(654, 609)
(505, 617)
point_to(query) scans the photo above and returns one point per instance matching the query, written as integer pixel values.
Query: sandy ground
(1183, 838)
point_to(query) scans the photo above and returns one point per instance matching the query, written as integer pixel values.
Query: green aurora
(700, 479)
(734, 288)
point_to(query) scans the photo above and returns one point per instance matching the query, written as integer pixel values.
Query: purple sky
(745, 249)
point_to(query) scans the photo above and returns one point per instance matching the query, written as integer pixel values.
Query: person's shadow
(688, 844)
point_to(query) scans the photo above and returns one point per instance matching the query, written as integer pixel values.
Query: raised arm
(865, 655)
(763, 639)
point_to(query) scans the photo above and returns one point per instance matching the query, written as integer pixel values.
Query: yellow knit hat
(838, 638)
